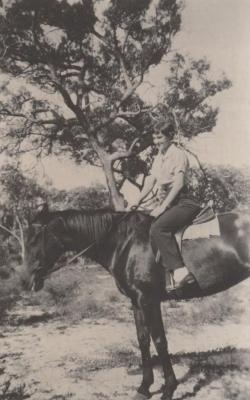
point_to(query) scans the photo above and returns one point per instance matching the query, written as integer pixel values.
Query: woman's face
(160, 140)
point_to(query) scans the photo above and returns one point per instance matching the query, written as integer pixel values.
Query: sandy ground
(99, 359)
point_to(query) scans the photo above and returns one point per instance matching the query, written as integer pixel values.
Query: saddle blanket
(204, 230)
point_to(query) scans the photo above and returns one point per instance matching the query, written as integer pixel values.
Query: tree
(96, 62)
(19, 198)
(20, 195)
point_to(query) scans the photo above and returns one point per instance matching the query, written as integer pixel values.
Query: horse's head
(43, 246)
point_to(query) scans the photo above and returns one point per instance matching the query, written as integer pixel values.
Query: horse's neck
(84, 232)
(100, 234)
(118, 238)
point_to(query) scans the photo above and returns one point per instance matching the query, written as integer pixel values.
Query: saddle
(204, 225)
(205, 215)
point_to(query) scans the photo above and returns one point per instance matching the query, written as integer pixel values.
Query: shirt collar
(167, 152)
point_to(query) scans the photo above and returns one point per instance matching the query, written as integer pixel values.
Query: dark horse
(120, 242)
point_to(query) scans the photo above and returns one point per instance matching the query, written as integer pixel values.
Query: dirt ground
(43, 358)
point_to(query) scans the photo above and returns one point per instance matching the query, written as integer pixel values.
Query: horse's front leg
(143, 336)
(154, 318)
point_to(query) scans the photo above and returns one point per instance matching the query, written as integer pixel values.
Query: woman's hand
(158, 211)
(131, 206)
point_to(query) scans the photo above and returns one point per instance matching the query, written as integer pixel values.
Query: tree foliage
(96, 61)
(189, 92)
(19, 198)
(226, 187)
(94, 197)
(20, 194)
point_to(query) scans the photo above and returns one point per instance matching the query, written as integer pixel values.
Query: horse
(119, 241)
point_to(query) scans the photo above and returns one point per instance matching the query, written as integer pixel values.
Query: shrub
(9, 293)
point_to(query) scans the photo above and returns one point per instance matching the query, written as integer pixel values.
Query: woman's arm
(148, 186)
(177, 186)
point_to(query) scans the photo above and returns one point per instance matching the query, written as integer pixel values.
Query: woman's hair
(166, 126)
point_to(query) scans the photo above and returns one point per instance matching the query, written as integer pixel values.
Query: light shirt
(165, 167)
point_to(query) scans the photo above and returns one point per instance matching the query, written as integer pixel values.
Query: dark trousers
(166, 225)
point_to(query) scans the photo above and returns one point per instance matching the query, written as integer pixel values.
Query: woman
(173, 207)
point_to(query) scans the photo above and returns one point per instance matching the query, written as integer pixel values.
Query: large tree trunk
(116, 199)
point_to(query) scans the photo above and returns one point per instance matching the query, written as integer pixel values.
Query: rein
(81, 252)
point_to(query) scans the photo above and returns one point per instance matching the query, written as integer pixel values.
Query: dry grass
(216, 309)
(81, 291)
(87, 291)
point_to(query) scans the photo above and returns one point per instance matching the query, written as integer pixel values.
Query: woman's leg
(163, 229)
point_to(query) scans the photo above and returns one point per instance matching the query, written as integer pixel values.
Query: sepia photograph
(124, 199)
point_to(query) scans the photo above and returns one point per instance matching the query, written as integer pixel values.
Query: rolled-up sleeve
(166, 166)
(180, 162)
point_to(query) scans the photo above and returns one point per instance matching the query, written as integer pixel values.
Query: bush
(9, 293)
(81, 291)
(10, 392)
(227, 187)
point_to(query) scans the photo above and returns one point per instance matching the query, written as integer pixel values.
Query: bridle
(43, 231)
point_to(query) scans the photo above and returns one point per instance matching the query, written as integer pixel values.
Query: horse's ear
(43, 208)
(41, 215)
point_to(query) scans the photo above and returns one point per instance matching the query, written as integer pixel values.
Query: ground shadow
(207, 367)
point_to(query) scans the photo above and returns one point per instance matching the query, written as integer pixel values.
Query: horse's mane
(95, 223)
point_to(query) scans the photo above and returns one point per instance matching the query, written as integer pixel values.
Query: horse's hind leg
(143, 336)
(157, 332)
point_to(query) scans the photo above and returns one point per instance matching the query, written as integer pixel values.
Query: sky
(218, 30)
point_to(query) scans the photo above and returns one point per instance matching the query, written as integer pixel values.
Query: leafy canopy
(96, 61)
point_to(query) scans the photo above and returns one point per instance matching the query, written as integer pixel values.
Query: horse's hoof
(168, 391)
(141, 396)
(166, 396)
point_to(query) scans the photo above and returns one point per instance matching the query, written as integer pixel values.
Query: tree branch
(21, 237)
(117, 114)
(104, 41)
(130, 91)
(123, 154)
(121, 58)
(125, 73)
(131, 114)
(68, 101)
(118, 171)
(32, 121)
(12, 234)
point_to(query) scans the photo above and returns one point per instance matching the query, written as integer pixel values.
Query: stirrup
(172, 281)
(189, 279)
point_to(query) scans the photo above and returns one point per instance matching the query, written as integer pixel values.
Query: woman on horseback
(172, 206)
